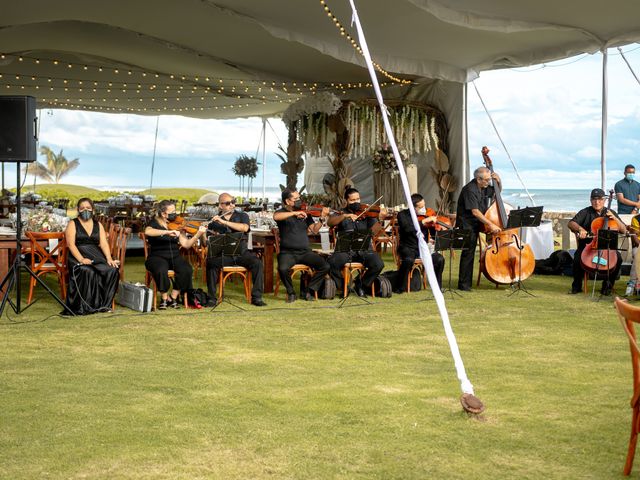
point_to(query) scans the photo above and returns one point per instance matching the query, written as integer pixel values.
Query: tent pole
(603, 129)
(153, 160)
(264, 157)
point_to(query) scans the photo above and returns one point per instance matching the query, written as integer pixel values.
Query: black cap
(597, 193)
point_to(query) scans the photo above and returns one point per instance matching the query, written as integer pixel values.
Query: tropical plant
(245, 166)
(57, 166)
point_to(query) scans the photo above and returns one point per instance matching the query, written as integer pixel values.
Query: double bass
(506, 260)
(593, 259)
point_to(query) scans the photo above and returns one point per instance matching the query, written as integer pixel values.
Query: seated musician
(349, 222)
(229, 220)
(164, 255)
(93, 274)
(473, 202)
(294, 226)
(580, 224)
(408, 245)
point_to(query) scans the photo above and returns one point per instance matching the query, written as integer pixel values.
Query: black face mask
(85, 214)
(297, 205)
(172, 216)
(353, 207)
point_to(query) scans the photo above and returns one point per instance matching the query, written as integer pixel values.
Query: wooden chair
(348, 269)
(297, 268)
(386, 238)
(417, 264)
(226, 272)
(629, 315)
(119, 250)
(148, 278)
(52, 260)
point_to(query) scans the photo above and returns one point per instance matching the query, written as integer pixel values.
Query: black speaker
(18, 129)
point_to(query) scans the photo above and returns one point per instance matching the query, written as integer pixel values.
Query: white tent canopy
(238, 58)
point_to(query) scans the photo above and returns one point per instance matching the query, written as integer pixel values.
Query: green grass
(316, 391)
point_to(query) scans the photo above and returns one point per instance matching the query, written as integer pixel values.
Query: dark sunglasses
(228, 203)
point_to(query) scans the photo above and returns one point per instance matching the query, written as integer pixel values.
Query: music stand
(523, 217)
(349, 243)
(226, 245)
(452, 239)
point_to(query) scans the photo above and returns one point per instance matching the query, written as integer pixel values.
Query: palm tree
(57, 166)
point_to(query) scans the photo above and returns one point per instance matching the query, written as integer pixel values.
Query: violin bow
(369, 208)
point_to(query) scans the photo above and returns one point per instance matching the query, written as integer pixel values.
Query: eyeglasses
(227, 203)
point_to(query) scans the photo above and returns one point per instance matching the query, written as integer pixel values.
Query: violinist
(164, 255)
(294, 226)
(475, 198)
(408, 246)
(580, 224)
(347, 222)
(230, 220)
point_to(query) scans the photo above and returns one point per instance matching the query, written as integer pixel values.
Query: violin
(593, 259)
(441, 222)
(187, 225)
(315, 210)
(507, 260)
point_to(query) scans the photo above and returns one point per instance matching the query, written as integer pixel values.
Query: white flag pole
(465, 384)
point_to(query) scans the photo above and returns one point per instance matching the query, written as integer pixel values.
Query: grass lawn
(316, 391)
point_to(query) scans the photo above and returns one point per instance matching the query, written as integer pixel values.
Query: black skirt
(91, 287)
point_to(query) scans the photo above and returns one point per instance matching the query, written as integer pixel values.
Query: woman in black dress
(93, 274)
(164, 255)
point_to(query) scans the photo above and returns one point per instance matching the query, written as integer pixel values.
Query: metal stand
(523, 217)
(450, 240)
(12, 278)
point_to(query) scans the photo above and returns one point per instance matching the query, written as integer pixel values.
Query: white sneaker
(630, 289)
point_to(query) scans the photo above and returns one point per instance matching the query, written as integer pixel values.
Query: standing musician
(475, 198)
(229, 220)
(408, 249)
(294, 226)
(580, 224)
(164, 255)
(349, 222)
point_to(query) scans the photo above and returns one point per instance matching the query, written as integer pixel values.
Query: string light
(357, 47)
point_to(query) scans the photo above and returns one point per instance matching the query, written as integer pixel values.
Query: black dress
(91, 287)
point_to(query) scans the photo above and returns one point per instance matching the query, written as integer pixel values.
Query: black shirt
(236, 217)
(164, 245)
(472, 197)
(362, 225)
(293, 232)
(584, 218)
(407, 231)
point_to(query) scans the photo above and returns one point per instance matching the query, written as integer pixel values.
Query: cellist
(580, 224)
(475, 198)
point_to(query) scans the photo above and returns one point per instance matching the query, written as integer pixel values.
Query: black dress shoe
(291, 297)
(310, 296)
(360, 291)
(212, 303)
(258, 302)
(464, 289)
(606, 291)
(398, 291)
(574, 291)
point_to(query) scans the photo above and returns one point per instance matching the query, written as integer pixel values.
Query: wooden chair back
(629, 315)
(119, 252)
(48, 260)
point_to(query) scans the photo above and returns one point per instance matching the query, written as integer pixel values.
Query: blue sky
(548, 116)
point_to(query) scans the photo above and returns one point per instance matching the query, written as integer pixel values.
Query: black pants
(289, 258)
(371, 260)
(608, 277)
(467, 259)
(159, 266)
(407, 257)
(247, 260)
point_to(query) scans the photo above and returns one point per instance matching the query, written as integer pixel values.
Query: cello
(593, 259)
(506, 260)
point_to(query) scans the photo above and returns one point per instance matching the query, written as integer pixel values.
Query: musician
(580, 224)
(628, 192)
(229, 220)
(294, 226)
(475, 198)
(349, 222)
(164, 255)
(408, 246)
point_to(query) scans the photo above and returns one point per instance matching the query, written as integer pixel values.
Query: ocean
(558, 200)
(552, 200)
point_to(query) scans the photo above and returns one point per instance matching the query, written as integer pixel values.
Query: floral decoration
(44, 220)
(323, 102)
(383, 160)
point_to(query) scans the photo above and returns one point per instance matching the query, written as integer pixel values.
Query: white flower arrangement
(383, 160)
(43, 220)
(323, 102)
